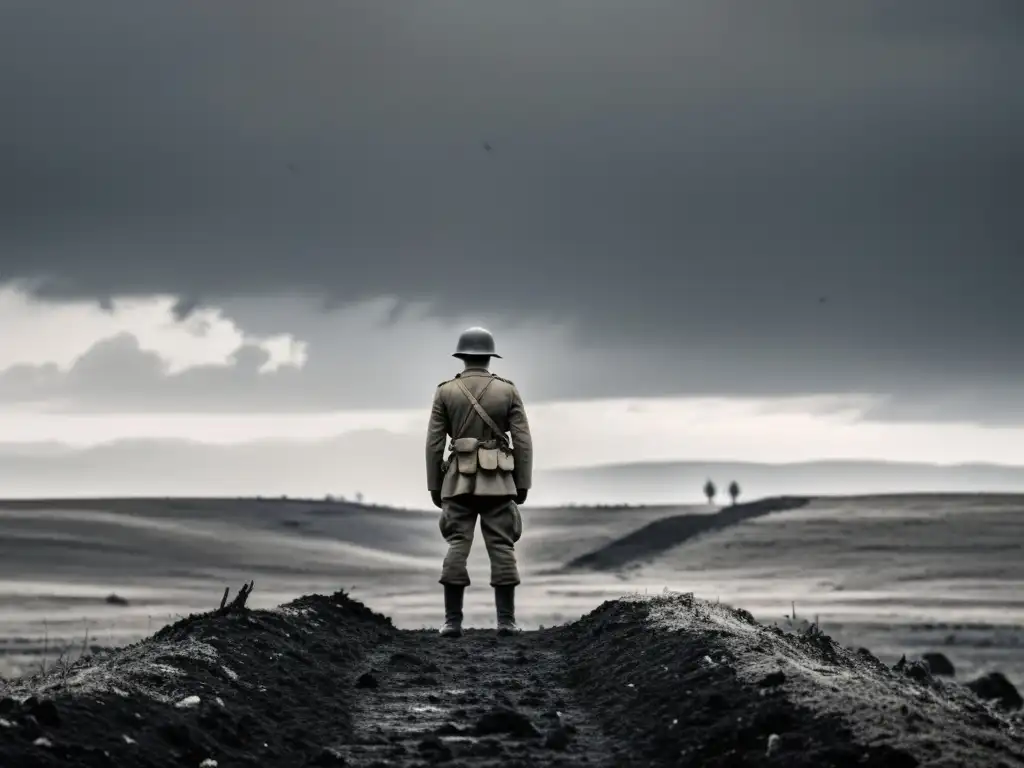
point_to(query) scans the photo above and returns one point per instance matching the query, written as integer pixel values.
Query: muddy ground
(642, 681)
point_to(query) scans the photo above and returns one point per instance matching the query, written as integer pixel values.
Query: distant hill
(668, 482)
(388, 469)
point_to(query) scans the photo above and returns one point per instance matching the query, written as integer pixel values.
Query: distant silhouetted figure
(710, 491)
(734, 491)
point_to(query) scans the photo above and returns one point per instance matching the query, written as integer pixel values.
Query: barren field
(896, 575)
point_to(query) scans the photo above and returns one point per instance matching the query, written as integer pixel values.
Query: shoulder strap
(458, 433)
(481, 412)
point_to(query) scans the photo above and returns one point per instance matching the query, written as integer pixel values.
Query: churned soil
(477, 700)
(662, 535)
(642, 681)
(260, 688)
(691, 683)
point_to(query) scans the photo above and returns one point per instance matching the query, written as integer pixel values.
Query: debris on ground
(939, 664)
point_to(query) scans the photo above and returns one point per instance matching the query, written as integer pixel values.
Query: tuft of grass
(795, 625)
(66, 659)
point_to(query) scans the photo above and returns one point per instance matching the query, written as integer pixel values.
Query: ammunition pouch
(506, 462)
(471, 454)
(488, 458)
(465, 451)
(495, 455)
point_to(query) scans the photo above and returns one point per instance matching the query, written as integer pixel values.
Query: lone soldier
(484, 476)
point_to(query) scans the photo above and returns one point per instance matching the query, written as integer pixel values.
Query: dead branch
(85, 643)
(238, 603)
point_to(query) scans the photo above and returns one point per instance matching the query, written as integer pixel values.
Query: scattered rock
(366, 680)
(435, 750)
(891, 757)
(996, 688)
(31, 726)
(46, 713)
(508, 721)
(402, 658)
(772, 679)
(915, 670)
(487, 748)
(558, 738)
(188, 702)
(918, 670)
(176, 734)
(939, 664)
(327, 758)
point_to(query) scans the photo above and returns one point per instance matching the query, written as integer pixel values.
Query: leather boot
(505, 603)
(453, 595)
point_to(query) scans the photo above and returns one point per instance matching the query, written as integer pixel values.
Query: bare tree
(734, 491)
(710, 491)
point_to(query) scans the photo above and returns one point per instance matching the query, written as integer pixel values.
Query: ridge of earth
(666, 680)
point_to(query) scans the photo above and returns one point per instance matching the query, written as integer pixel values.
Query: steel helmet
(476, 341)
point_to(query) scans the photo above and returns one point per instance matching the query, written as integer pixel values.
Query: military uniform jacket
(452, 415)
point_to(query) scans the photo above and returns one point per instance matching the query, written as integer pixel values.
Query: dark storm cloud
(797, 196)
(380, 357)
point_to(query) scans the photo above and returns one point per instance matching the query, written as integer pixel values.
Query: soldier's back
(497, 396)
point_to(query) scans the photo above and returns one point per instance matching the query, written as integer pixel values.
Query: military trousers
(501, 525)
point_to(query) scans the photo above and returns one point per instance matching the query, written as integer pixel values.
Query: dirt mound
(689, 683)
(661, 535)
(237, 687)
(659, 681)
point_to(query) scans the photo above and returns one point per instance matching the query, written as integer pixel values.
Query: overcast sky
(676, 199)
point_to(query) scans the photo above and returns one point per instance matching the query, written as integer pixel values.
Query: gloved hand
(435, 496)
(521, 495)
